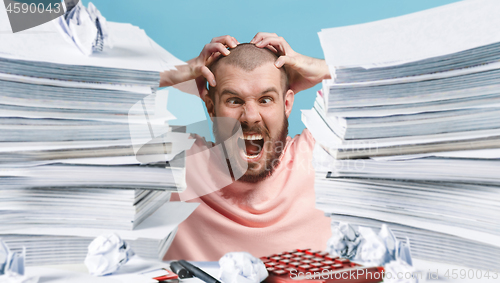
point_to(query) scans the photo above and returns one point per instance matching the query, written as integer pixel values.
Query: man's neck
(250, 196)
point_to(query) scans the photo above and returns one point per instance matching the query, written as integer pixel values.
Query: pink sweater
(271, 216)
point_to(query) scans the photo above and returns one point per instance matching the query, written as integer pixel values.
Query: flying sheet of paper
(168, 60)
(430, 33)
(320, 130)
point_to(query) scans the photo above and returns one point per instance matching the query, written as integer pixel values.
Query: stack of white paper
(85, 143)
(408, 130)
(150, 239)
(420, 82)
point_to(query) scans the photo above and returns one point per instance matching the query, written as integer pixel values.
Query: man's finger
(225, 39)
(212, 48)
(212, 58)
(207, 74)
(261, 35)
(277, 42)
(270, 47)
(282, 60)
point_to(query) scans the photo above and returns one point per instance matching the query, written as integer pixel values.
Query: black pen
(198, 273)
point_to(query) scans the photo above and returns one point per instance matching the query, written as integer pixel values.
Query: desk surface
(77, 273)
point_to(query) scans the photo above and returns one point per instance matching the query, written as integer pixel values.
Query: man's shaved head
(253, 91)
(247, 57)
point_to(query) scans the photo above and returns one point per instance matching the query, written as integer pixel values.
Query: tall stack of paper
(85, 147)
(408, 130)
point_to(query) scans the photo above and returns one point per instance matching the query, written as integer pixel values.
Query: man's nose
(251, 114)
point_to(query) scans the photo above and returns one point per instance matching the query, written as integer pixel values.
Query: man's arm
(196, 68)
(304, 72)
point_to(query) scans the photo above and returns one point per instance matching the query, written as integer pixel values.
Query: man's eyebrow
(271, 89)
(232, 92)
(229, 91)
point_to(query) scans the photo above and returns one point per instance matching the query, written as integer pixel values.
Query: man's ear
(210, 104)
(289, 96)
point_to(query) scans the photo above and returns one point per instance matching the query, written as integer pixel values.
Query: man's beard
(271, 163)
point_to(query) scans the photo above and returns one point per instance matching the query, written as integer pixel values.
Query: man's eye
(233, 101)
(266, 100)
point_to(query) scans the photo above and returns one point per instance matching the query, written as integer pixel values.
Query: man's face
(256, 99)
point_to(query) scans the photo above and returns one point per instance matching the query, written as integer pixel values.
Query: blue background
(184, 27)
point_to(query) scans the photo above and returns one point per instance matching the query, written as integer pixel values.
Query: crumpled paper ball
(4, 254)
(373, 250)
(403, 252)
(344, 240)
(12, 266)
(363, 245)
(241, 267)
(11, 263)
(86, 28)
(106, 254)
(399, 271)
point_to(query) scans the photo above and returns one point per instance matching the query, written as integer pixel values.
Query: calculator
(306, 265)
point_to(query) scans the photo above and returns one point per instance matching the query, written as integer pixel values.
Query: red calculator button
(314, 270)
(342, 260)
(302, 250)
(284, 261)
(304, 266)
(281, 266)
(328, 262)
(279, 272)
(306, 261)
(307, 256)
(287, 256)
(316, 264)
(309, 252)
(290, 269)
(337, 266)
(270, 269)
(317, 259)
(322, 254)
(297, 259)
(275, 258)
(298, 254)
(294, 263)
(271, 263)
(330, 257)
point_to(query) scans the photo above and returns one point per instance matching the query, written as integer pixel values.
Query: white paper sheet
(168, 60)
(430, 33)
(128, 273)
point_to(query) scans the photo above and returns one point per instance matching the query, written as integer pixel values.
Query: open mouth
(254, 145)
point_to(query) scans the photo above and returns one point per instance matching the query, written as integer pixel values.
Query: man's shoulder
(305, 136)
(303, 142)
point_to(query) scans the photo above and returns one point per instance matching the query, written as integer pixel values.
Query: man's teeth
(252, 137)
(251, 156)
